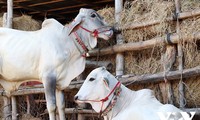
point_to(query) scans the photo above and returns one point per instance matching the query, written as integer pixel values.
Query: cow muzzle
(104, 32)
(77, 100)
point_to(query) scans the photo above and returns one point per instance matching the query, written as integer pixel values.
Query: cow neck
(113, 100)
(81, 44)
(124, 100)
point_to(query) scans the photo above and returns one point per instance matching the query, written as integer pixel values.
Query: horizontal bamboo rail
(158, 77)
(94, 64)
(90, 111)
(80, 111)
(148, 43)
(181, 16)
(85, 112)
(126, 79)
(39, 89)
(135, 46)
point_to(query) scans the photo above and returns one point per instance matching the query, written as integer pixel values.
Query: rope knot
(104, 99)
(95, 33)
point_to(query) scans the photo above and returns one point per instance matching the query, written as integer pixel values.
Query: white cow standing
(54, 55)
(114, 101)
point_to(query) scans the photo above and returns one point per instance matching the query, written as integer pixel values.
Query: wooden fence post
(168, 59)
(9, 13)
(14, 108)
(119, 38)
(81, 116)
(180, 57)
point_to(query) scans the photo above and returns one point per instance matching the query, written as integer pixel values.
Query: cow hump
(51, 22)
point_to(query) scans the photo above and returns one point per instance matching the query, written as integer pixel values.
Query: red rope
(80, 41)
(106, 98)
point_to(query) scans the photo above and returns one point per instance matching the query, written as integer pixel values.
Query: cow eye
(93, 15)
(91, 79)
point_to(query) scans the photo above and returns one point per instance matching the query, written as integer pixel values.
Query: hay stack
(25, 23)
(191, 49)
(137, 12)
(149, 60)
(141, 11)
(188, 5)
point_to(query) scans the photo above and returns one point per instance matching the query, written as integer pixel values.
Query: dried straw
(188, 5)
(192, 94)
(146, 61)
(149, 61)
(25, 23)
(191, 49)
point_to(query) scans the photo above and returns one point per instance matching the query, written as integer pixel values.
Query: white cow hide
(50, 55)
(130, 105)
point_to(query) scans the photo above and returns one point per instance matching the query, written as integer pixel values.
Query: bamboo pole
(125, 79)
(95, 64)
(14, 108)
(183, 15)
(9, 13)
(171, 75)
(180, 57)
(28, 111)
(168, 60)
(4, 19)
(80, 116)
(7, 108)
(88, 112)
(119, 39)
(157, 41)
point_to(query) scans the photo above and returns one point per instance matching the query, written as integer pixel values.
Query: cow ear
(106, 83)
(93, 42)
(75, 24)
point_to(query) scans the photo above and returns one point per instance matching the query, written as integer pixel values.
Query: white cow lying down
(54, 55)
(114, 101)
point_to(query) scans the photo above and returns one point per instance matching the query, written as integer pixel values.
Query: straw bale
(139, 11)
(143, 62)
(143, 11)
(192, 93)
(149, 60)
(191, 49)
(188, 5)
(25, 23)
(146, 61)
(108, 14)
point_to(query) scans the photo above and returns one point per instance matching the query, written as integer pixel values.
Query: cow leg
(50, 89)
(60, 102)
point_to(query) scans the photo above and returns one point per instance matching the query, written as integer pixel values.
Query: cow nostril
(75, 98)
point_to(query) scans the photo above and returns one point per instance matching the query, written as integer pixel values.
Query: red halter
(96, 32)
(106, 98)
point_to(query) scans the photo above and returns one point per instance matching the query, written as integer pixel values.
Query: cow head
(91, 25)
(98, 84)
